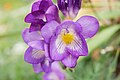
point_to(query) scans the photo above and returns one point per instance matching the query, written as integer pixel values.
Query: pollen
(68, 38)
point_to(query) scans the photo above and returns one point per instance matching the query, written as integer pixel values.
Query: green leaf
(102, 37)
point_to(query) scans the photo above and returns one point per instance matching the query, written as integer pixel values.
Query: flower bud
(69, 8)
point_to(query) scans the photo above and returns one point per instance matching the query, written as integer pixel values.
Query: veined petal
(34, 56)
(37, 68)
(48, 30)
(78, 47)
(33, 39)
(90, 26)
(57, 48)
(69, 8)
(70, 61)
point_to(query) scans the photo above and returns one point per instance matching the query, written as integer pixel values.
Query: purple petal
(56, 72)
(46, 65)
(37, 26)
(57, 49)
(68, 24)
(70, 61)
(52, 14)
(90, 26)
(33, 39)
(37, 68)
(47, 52)
(55, 66)
(34, 17)
(78, 47)
(41, 5)
(35, 6)
(48, 30)
(37, 44)
(34, 56)
(31, 36)
(54, 75)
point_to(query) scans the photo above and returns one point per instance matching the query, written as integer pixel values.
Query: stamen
(67, 38)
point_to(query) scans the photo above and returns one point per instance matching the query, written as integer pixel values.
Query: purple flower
(37, 53)
(69, 8)
(51, 40)
(42, 12)
(67, 40)
(56, 73)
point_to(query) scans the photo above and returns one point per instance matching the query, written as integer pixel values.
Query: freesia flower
(42, 12)
(51, 40)
(69, 8)
(67, 40)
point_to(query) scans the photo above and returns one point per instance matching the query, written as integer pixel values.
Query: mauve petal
(31, 36)
(37, 68)
(55, 66)
(46, 65)
(48, 30)
(33, 39)
(34, 56)
(78, 47)
(70, 61)
(57, 49)
(64, 25)
(68, 24)
(34, 17)
(37, 44)
(90, 26)
(47, 52)
(52, 14)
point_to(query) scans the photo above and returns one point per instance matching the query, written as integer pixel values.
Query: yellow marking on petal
(67, 38)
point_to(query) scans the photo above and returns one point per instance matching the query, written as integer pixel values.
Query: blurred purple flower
(69, 8)
(56, 73)
(67, 40)
(42, 12)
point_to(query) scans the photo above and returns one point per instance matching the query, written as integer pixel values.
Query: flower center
(67, 38)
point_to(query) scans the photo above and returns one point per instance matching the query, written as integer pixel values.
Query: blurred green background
(103, 62)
